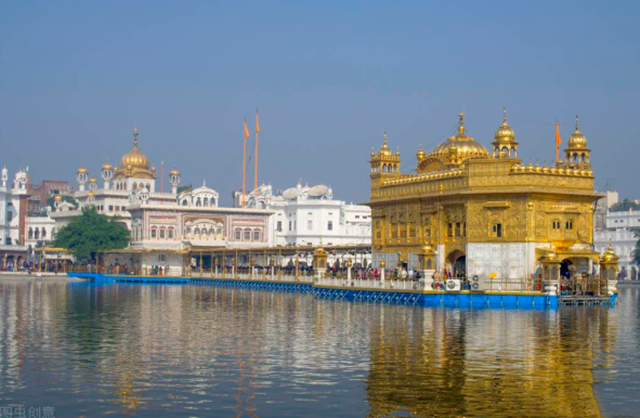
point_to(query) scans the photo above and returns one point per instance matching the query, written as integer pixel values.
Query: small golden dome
(106, 166)
(320, 252)
(421, 155)
(373, 153)
(577, 140)
(174, 172)
(93, 180)
(115, 169)
(504, 134)
(91, 193)
(82, 170)
(610, 255)
(153, 169)
(385, 151)
(57, 198)
(135, 158)
(427, 249)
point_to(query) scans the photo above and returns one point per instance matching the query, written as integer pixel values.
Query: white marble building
(134, 182)
(620, 230)
(18, 229)
(310, 216)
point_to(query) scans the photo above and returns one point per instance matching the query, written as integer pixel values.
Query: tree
(92, 232)
(624, 206)
(186, 187)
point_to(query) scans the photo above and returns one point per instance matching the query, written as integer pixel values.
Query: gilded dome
(174, 172)
(421, 155)
(57, 198)
(82, 170)
(135, 158)
(91, 193)
(385, 151)
(107, 166)
(577, 140)
(504, 135)
(461, 146)
(610, 255)
(93, 180)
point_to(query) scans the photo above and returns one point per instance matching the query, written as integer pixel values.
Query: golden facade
(466, 201)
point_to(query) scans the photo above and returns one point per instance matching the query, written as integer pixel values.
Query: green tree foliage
(186, 187)
(625, 205)
(92, 232)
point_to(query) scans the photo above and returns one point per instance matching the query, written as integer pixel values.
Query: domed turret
(577, 154)
(505, 144)
(174, 179)
(385, 162)
(82, 177)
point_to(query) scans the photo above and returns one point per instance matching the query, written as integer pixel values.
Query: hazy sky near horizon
(329, 78)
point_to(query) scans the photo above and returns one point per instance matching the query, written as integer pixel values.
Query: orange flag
(558, 142)
(257, 122)
(246, 130)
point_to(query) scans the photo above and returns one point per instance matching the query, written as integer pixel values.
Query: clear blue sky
(329, 77)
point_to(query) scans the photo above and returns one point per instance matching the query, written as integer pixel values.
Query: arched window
(238, 234)
(212, 201)
(135, 186)
(205, 233)
(212, 232)
(247, 234)
(154, 232)
(188, 232)
(43, 234)
(30, 233)
(196, 233)
(163, 233)
(170, 233)
(184, 202)
(256, 235)
(37, 234)
(198, 202)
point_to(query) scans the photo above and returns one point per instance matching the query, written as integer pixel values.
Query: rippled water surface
(181, 351)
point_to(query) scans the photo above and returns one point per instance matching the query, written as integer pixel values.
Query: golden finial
(135, 136)
(385, 138)
(504, 115)
(461, 125)
(577, 120)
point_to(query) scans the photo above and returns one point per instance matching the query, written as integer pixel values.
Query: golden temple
(482, 212)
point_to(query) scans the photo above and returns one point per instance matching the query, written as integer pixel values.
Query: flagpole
(255, 174)
(244, 165)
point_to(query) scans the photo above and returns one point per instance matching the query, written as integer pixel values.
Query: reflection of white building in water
(309, 215)
(620, 232)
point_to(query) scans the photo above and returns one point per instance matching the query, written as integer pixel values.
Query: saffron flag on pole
(246, 130)
(558, 142)
(257, 122)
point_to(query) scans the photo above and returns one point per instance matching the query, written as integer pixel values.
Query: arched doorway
(565, 268)
(457, 260)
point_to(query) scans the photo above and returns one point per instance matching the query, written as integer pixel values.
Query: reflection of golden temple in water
(452, 364)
